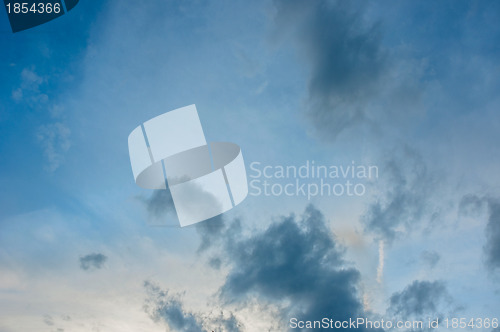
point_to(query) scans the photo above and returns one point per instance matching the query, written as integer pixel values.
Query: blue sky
(411, 87)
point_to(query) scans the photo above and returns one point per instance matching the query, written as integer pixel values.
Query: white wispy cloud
(54, 138)
(381, 258)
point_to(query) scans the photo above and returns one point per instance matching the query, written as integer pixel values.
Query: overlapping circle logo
(26, 14)
(205, 179)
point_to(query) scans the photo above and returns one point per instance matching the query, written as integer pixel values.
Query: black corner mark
(70, 4)
(26, 14)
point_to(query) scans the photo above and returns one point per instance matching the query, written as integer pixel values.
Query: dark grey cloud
(222, 323)
(296, 265)
(160, 203)
(473, 205)
(162, 212)
(430, 258)
(92, 261)
(162, 306)
(210, 231)
(407, 202)
(160, 208)
(216, 233)
(492, 246)
(344, 54)
(215, 263)
(420, 299)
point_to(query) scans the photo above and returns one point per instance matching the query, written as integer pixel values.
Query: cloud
(55, 141)
(430, 258)
(407, 198)
(162, 306)
(492, 246)
(295, 265)
(92, 261)
(381, 258)
(230, 324)
(160, 203)
(217, 233)
(162, 210)
(209, 231)
(473, 205)
(52, 322)
(215, 263)
(419, 299)
(345, 58)
(47, 319)
(29, 90)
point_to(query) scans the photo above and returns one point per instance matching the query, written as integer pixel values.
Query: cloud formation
(93, 261)
(210, 231)
(381, 259)
(160, 203)
(29, 91)
(55, 141)
(473, 205)
(492, 246)
(344, 55)
(406, 200)
(160, 208)
(296, 265)
(47, 319)
(162, 306)
(419, 299)
(430, 258)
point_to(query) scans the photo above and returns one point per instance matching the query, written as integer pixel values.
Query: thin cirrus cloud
(54, 137)
(29, 90)
(55, 140)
